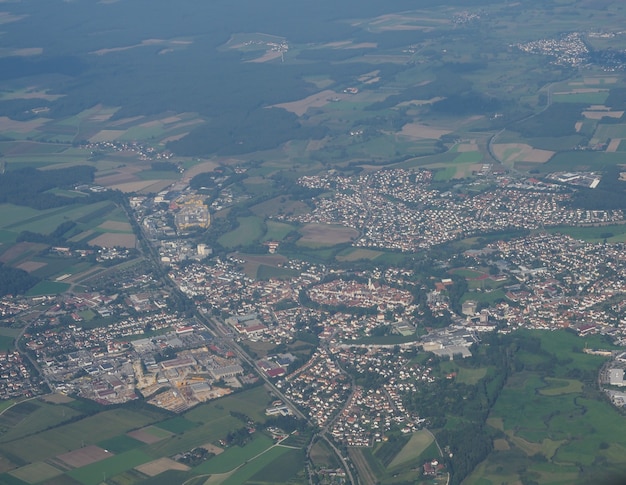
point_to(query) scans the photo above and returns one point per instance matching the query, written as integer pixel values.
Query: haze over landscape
(284, 242)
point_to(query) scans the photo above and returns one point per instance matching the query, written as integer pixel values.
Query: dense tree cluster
(15, 281)
(28, 186)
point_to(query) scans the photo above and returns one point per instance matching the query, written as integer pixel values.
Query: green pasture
(467, 273)
(612, 233)
(604, 131)
(550, 415)
(177, 425)
(249, 230)
(214, 422)
(96, 473)
(235, 456)
(158, 175)
(120, 444)
(598, 97)
(581, 160)
(14, 214)
(48, 288)
(6, 343)
(323, 456)
(468, 157)
(419, 441)
(358, 254)
(465, 375)
(44, 416)
(444, 174)
(488, 297)
(7, 237)
(557, 144)
(277, 231)
(277, 465)
(36, 472)
(61, 439)
(48, 220)
(556, 387)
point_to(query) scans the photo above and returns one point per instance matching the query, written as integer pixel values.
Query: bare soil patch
(57, 398)
(30, 266)
(153, 468)
(109, 240)
(84, 456)
(7, 124)
(327, 234)
(116, 226)
(501, 445)
(18, 249)
(578, 126)
(314, 101)
(211, 448)
(207, 166)
(598, 115)
(614, 145)
(417, 130)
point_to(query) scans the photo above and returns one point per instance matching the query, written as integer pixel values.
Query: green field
(120, 444)
(557, 417)
(89, 430)
(47, 288)
(39, 417)
(249, 230)
(589, 98)
(235, 456)
(177, 425)
(98, 472)
(419, 442)
(278, 465)
(612, 233)
(277, 231)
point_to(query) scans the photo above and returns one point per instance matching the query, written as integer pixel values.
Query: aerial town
(175, 360)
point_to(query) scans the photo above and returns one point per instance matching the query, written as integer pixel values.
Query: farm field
(556, 418)
(41, 444)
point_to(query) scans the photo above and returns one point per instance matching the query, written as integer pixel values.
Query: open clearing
(521, 152)
(326, 234)
(417, 131)
(161, 465)
(314, 101)
(84, 456)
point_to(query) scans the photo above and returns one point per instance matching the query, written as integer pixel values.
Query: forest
(14, 281)
(28, 187)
